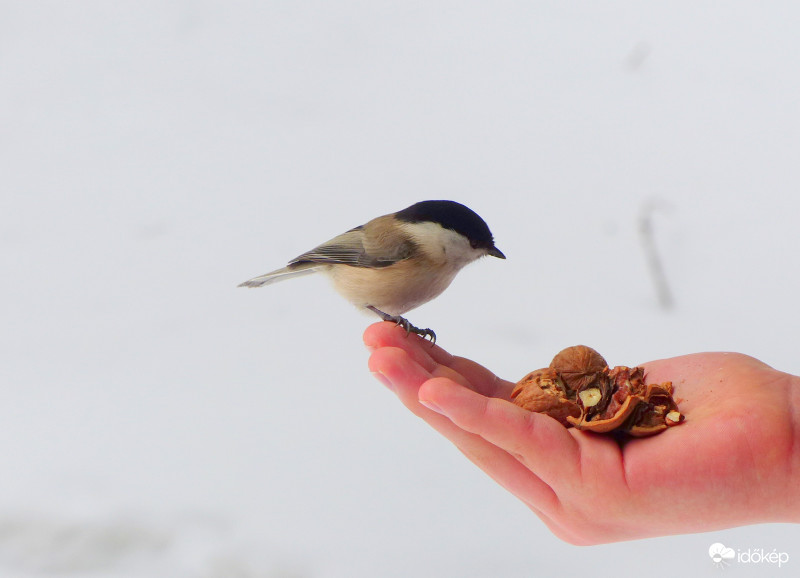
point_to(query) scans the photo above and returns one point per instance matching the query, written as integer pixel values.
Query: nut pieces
(578, 389)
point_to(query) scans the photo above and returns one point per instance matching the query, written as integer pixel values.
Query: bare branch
(654, 263)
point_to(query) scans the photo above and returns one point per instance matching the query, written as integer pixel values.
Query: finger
(405, 377)
(387, 334)
(390, 334)
(481, 380)
(477, 377)
(538, 441)
(402, 373)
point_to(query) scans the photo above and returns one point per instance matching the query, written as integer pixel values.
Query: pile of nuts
(578, 389)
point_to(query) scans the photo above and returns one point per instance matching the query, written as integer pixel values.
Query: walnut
(578, 389)
(578, 366)
(542, 391)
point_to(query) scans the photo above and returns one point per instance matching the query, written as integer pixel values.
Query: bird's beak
(495, 252)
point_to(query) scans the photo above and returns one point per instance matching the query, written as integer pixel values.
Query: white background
(157, 421)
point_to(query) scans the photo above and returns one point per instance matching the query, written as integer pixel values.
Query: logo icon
(721, 556)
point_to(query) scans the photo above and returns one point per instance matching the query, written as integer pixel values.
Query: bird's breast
(395, 289)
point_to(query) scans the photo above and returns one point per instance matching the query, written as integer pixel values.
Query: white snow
(157, 421)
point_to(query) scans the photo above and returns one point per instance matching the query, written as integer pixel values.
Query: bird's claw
(424, 333)
(405, 324)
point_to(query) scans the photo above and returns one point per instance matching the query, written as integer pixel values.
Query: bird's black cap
(456, 217)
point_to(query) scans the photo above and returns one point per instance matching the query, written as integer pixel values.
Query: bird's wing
(357, 248)
(280, 275)
(373, 245)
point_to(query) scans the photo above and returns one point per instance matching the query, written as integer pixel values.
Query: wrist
(794, 468)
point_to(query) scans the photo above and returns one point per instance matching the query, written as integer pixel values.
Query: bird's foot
(405, 324)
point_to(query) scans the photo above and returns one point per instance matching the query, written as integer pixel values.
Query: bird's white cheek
(446, 248)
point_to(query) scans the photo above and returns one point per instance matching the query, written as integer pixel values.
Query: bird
(396, 262)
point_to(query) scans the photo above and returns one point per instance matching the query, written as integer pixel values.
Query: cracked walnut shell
(579, 390)
(542, 391)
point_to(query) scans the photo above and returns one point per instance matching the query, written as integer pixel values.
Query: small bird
(397, 262)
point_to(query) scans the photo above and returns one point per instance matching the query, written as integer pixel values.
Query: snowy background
(156, 421)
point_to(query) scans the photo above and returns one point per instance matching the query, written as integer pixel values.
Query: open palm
(733, 462)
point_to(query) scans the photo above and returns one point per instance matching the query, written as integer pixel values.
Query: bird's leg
(405, 324)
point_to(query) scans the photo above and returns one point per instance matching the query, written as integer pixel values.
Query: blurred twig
(652, 256)
(637, 56)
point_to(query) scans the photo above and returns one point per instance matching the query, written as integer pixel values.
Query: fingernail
(383, 379)
(430, 405)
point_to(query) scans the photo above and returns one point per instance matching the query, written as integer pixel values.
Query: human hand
(734, 461)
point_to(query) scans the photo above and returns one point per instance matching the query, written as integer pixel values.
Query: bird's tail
(280, 275)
